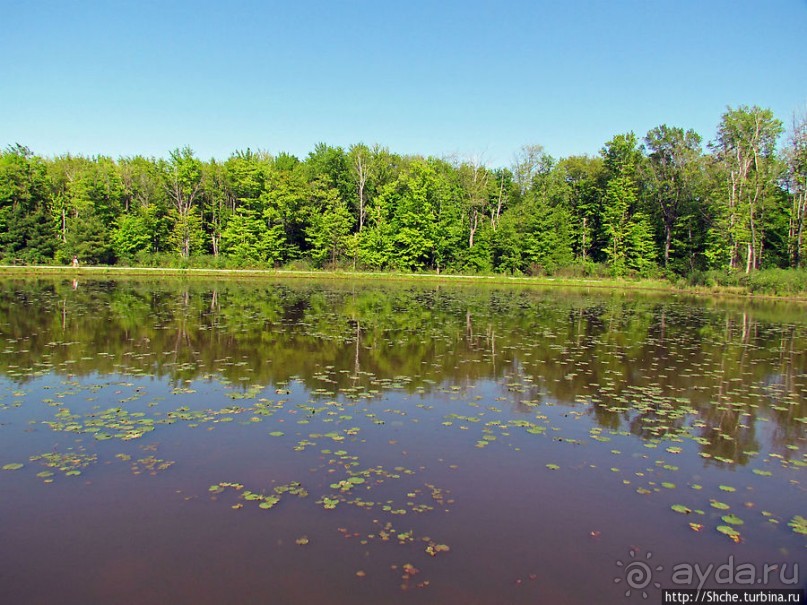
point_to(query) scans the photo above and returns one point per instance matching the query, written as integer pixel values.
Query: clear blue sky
(431, 77)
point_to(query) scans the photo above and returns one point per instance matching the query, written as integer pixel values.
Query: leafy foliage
(633, 210)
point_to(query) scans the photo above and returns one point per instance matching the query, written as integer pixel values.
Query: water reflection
(304, 442)
(641, 363)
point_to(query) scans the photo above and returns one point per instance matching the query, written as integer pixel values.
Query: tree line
(662, 204)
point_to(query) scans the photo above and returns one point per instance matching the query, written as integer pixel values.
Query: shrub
(582, 269)
(299, 264)
(778, 281)
(713, 278)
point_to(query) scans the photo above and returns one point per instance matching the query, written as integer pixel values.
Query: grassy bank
(776, 283)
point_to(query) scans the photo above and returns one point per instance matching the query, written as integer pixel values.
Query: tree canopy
(644, 206)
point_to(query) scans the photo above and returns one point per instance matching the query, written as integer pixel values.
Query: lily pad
(798, 524)
(269, 502)
(13, 466)
(434, 549)
(729, 531)
(329, 503)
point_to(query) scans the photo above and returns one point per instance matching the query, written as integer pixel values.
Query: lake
(297, 441)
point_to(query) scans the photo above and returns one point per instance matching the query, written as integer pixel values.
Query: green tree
(672, 178)
(132, 235)
(641, 245)
(620, 197)
(26, 228)
(216, 202)
(529, 162)
(448, 234)
(329, 228)
(745, 152)
(796, 156)
(474, 178)
(507, 244)
(583, 176)
(187, 235)
(622, 159)
(87, 196)
(412, 197)
(89, 239)
(548, 242)
(376, 242)
(546, 219)
(183, 182)
(145, 199)
(331, 165)
(286, 210)
(247, 240)
(62, 172)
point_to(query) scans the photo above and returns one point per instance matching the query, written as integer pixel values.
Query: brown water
(302, 442)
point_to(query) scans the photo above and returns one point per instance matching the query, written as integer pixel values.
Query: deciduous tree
(744, 149)
(183, 182)
(671, 178)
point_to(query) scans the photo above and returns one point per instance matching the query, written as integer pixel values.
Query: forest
(664, 205)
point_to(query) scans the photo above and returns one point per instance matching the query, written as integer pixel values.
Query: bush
(713, 278)
(536, 270)
(581, 269)
(778, 281)
(299, 264)
(782, 282)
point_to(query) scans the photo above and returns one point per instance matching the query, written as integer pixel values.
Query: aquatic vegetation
(264, 501)
(729, 531)
(328, 503)
(113, 423)
(343, 428)
(150, 464)
(433, 549)
(70, 463)
(798, 524)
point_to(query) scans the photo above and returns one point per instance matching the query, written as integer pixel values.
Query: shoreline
(645, 285)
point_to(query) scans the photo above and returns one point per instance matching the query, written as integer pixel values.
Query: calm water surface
(303, 442)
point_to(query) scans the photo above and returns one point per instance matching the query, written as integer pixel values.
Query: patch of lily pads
(70, 463)
(263, 500)
(798, 524)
